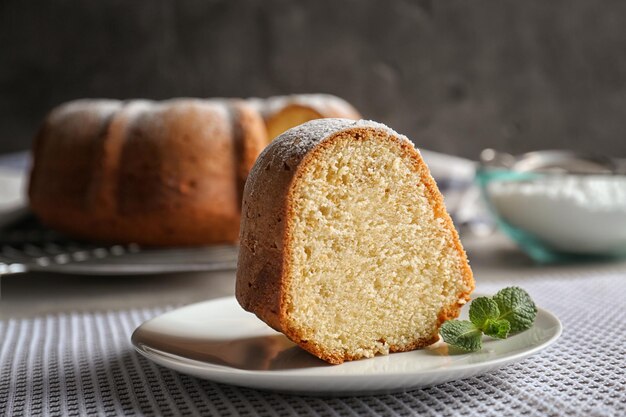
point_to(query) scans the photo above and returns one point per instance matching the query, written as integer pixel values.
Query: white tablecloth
(83, 364)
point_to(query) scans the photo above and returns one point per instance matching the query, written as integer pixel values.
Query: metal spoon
(554, 161)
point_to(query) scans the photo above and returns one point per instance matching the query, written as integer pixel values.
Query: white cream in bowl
(584, 214)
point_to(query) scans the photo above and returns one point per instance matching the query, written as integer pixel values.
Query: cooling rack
(28, 246)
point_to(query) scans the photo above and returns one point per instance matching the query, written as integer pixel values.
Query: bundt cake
(157, 173)
(284, 112)
(154, 173)
(345, 244)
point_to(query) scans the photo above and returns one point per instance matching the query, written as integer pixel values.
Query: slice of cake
(346, 246)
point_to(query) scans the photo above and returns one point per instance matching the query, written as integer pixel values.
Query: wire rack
(28, 246)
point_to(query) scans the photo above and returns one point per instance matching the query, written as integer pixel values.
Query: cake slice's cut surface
(288, 118)
(373, 264)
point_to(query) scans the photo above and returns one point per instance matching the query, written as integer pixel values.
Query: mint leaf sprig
(510, 310)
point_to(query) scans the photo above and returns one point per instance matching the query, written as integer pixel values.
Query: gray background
(457, 76)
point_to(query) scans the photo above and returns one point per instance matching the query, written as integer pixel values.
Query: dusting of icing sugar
(321, 103)
(291, 146)
(218, 105)
(99, 107)
(258, 104)
(301, 139)
(104, 107)
(134, 107)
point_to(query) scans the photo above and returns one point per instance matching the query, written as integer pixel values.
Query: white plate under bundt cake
(345, 245)
(167, 173)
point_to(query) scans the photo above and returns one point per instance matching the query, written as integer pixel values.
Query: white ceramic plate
(219, 341)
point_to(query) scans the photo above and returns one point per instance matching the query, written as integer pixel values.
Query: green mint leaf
(510, 310)
(498, 329)
(516, 307)
(482, 310)
(463, 334)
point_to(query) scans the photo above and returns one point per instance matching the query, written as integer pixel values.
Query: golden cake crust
(266, 221)
(155, 173)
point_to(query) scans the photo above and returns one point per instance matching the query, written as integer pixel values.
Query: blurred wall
(456, 76)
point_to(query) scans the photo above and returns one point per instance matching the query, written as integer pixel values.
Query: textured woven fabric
(83, 364)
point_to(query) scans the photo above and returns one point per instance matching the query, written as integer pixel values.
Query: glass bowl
(557, 211)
